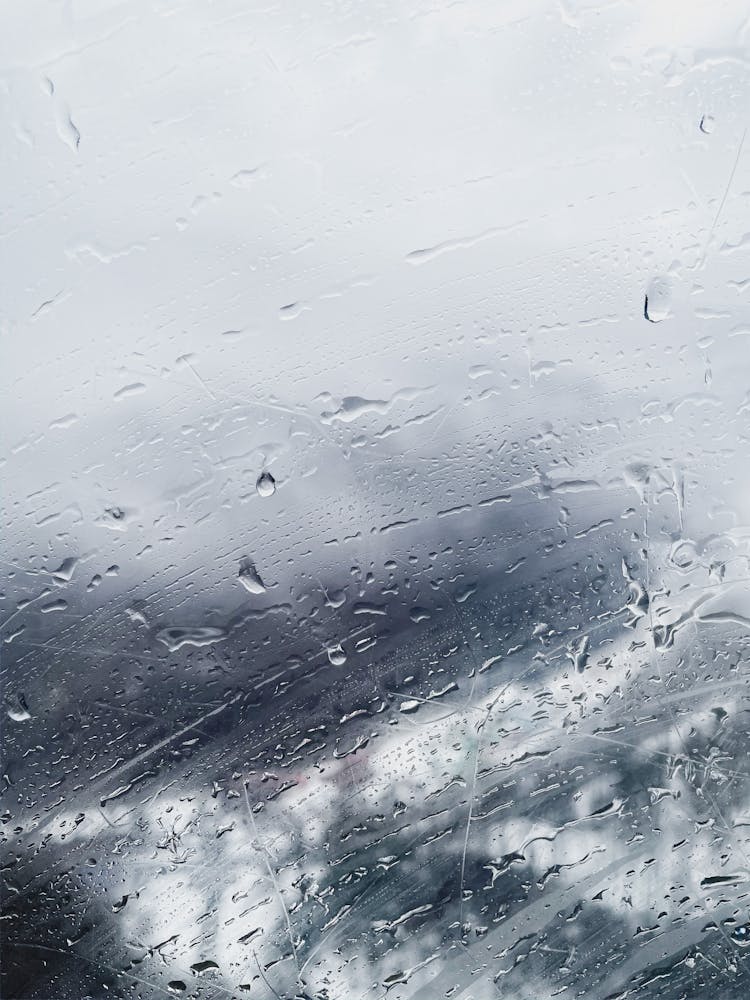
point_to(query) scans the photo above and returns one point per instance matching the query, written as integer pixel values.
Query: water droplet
(136, 613)
(657, 299)
(266, 485)
(64, 573)
(418, 614)
(578, 653)
(178, 635)
(336, 655)
(335, 598)
(741, 935)
(67, 130)
(249, 577)
(18, 710)
(176, 986)
(200, 967)
(637, 602)
(707, 124)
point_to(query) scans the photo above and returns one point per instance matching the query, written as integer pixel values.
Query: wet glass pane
(376, 479)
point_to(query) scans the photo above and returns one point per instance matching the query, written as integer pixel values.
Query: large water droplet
(64, 573)
(336, 655)
(206, 966)
(657, 299)
(335, 598)
(18, 710)
(249, 577)
(578, 653)
(178, 635)
(266, 485)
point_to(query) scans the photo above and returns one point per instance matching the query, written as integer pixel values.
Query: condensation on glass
(376, 480)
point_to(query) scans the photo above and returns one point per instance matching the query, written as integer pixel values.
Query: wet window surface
(376, 479)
